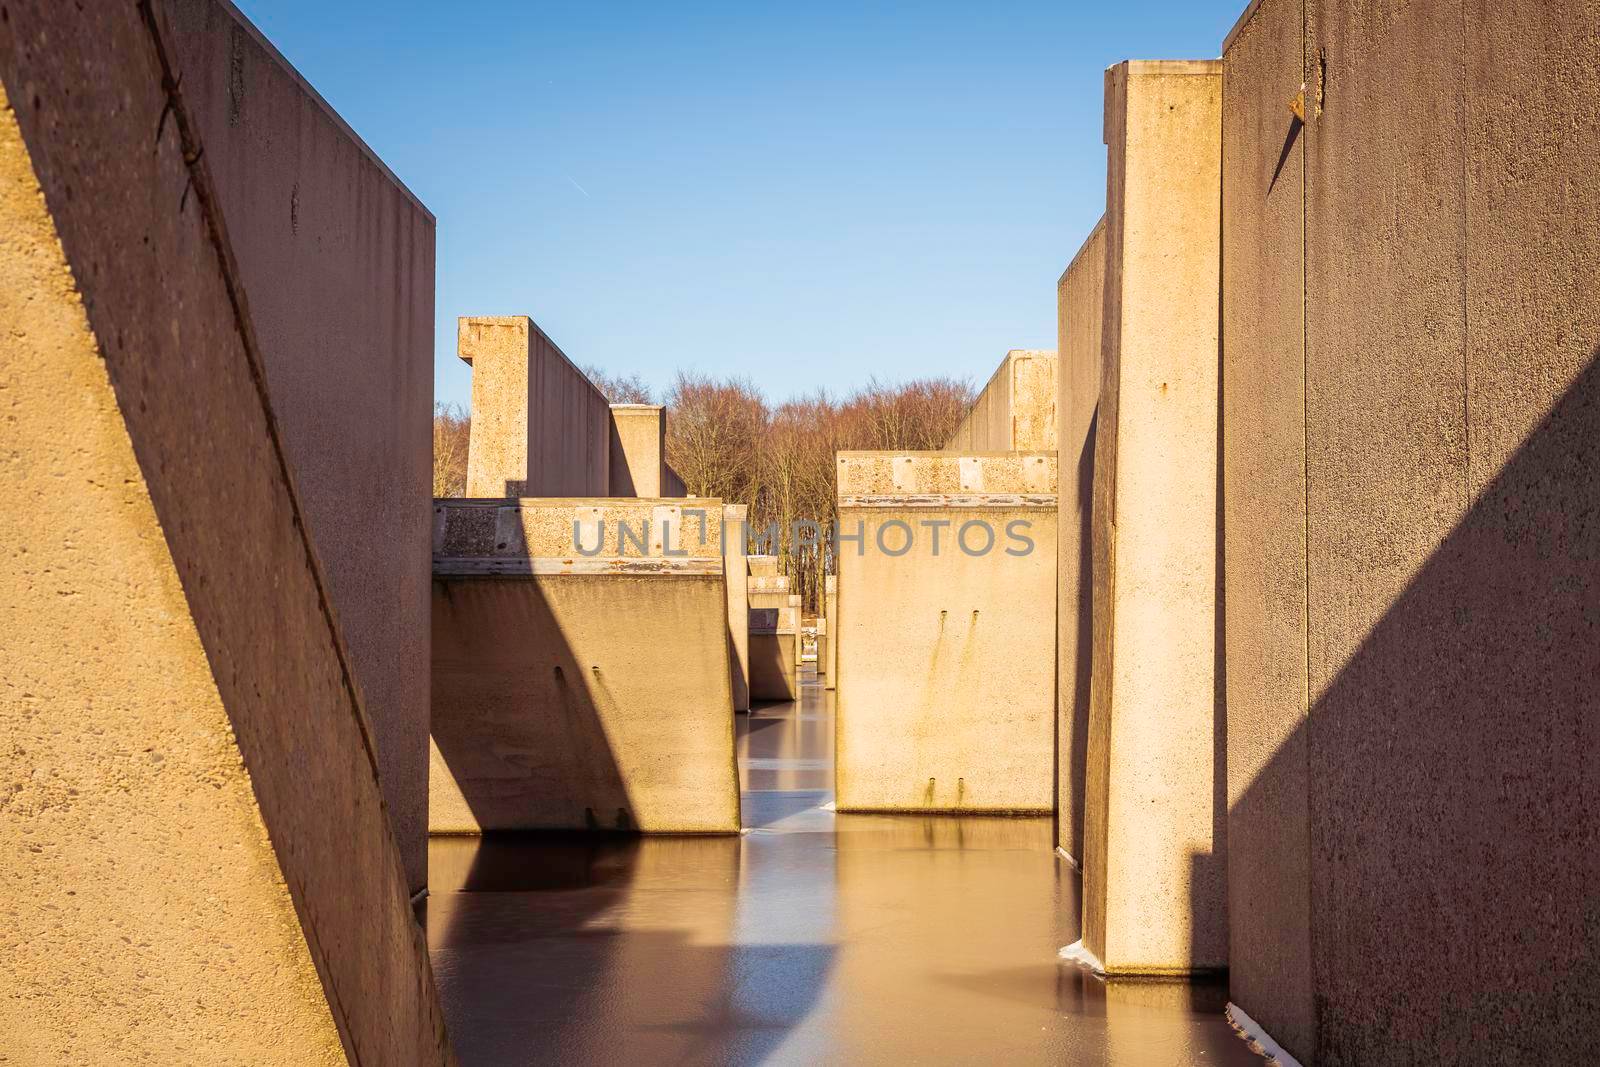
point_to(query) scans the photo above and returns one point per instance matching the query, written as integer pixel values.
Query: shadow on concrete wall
(1078, 734)
(1451, 775)
(516, 715)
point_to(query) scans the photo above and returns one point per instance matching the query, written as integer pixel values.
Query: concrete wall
(1432, 800)
(539, 426)
(831, 594)
(638, 450)
(1080, 302)
(581, 692)
(768, 590)
(195, 857)
(337, 258)
(1155, 820)
(1016, 410)
(735, 518)
(946, 663)
(1264, 529)
(671, 484)
(764, 566)
(774, 662)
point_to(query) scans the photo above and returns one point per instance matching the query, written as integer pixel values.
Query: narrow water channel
(812, 938)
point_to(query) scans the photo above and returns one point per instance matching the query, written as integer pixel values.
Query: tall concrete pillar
(1155, 817)
(195, 858)
(539, 426)
(735, 519)
(1080, 303)
(638, 450)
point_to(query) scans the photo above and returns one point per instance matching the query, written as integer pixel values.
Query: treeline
(725, 440)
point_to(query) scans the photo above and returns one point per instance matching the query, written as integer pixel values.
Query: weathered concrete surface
(946, 665)
(774, 663)
(1016, 410)
(540, 428)
(337, 258)
(1080, 302)
(735, 520)
(638, 450)
(831, 598)
(1155, 815)
(1443, 778)
(768, 590)
(196, 861)
(764, 566)
(576, 691)
(1264, 529)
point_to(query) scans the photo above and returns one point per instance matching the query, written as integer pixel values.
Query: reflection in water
(812, 938)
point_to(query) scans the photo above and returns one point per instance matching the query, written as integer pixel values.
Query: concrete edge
(528, 567)
(338, 120)
(533, 328)
(1260, 1042)
(699, 503)
(1149, 68)
(981, 813)
(1239, 25)
(939, 453)
(1078, 255)
(1040, 501)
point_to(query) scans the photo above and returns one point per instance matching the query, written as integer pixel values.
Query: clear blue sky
(811, 194)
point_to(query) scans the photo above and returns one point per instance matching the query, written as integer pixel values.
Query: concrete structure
(1016, 410)
(768, 590)
(195, 857)
(638, 450)
(1154, 817)
(576, 690)
(774, 658)
(946, 665)
(539, 426)
(1412, 470)
(735, 518)
(831, 648)
(764, 566)
(797, 605)
(337, 258)
(1080, 303)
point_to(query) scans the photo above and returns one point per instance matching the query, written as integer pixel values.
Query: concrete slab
(579, 691)
(195, 856)
(1155, 813)
(946, 625)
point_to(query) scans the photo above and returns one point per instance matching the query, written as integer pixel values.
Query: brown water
(812, 938)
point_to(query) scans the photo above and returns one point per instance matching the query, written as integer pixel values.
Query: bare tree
(452, 429)
(725, 441)
(620, 388)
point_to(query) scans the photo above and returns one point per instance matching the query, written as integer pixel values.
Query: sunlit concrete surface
(812, 938)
